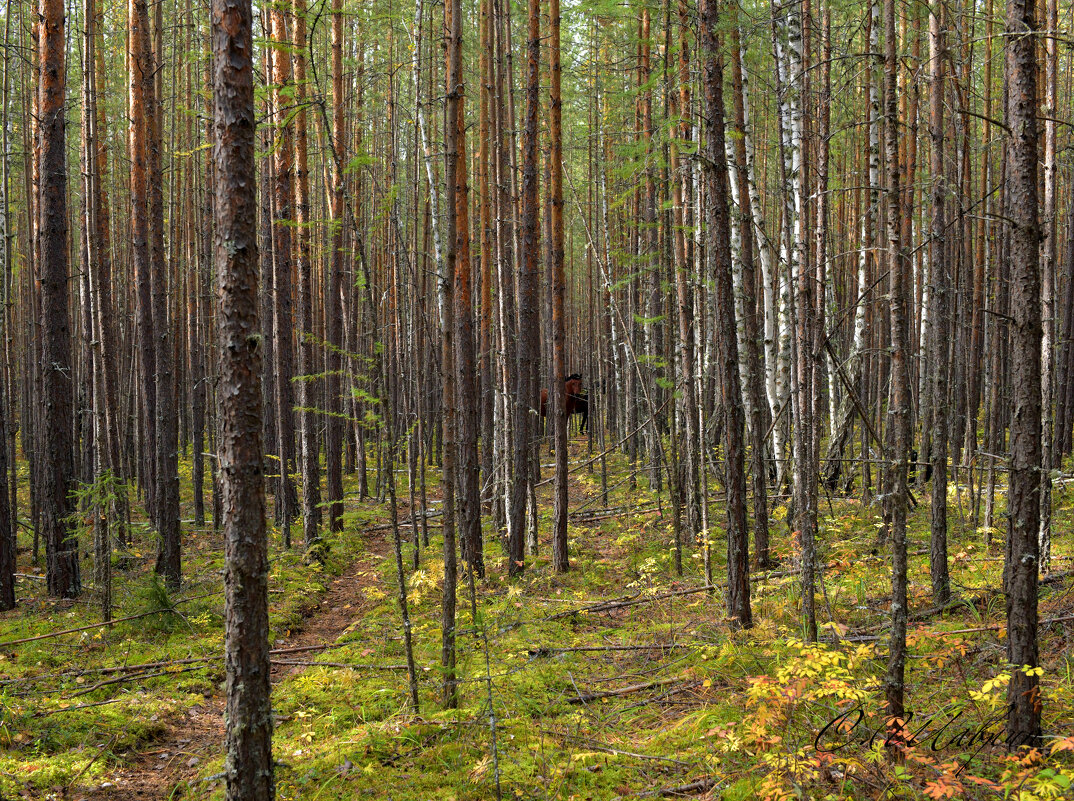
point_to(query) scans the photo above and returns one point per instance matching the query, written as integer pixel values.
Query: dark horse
(576, 400)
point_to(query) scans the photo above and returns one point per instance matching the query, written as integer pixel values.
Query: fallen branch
(980, 598)
(634, 600)
(75, 708)
(693, 788)
(162, 664)
(633, 688)
(544, 650)
(106, 623)
(351, 666)
(631, 600)
(89, 764)
(975, 630)
(581, 519)
(122, 679)
(616, 752)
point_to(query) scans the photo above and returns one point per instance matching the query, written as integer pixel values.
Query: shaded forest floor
(618, 679)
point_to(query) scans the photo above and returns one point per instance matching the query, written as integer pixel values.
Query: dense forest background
(801, 274)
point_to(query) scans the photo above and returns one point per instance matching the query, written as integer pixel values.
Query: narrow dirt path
(191, 738)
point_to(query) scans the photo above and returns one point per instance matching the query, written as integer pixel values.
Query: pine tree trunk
(560, 561)
(58, 467)
(308, 416)
(140, 67)
(719, 246)
(248, 765)
(938, 338)
(449, 483)
(528, 313)
(1023, 495)
(751, 329)
(333, 305)
(166, 495)
(283, 311)
(486, 231)
(468, 500)
(899, 414)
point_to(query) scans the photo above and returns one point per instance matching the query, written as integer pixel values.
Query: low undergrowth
(620, 678)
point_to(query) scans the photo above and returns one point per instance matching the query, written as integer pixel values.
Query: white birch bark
(427, 151)
(764, 249)
(737, 287)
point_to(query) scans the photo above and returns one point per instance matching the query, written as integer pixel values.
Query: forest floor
(619, 679)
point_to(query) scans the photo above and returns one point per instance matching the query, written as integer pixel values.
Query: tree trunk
(899, 414)
(450, 452)
(528, 352)
(283, 315)
(166, 495)
(333, 305)
(248, 765)
(468, 500)
(1048, 251)
(140, 66)
(938, 338)
(560, 561)
(719, 247)
(310, 450)
(58, 469)
(7, 534)
(1023, 495)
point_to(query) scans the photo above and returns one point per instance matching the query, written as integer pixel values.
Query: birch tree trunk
(1048, 278)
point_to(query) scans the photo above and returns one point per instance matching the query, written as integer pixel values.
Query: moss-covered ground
(650, 693)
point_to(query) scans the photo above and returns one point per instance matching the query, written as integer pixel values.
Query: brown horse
(576, 400)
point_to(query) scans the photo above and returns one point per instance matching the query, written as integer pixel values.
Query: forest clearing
(488, 399)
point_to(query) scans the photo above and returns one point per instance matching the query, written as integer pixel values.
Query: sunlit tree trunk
(248, 765)
(58, 473)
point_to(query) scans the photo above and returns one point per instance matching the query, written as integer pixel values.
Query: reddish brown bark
(58, 469)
